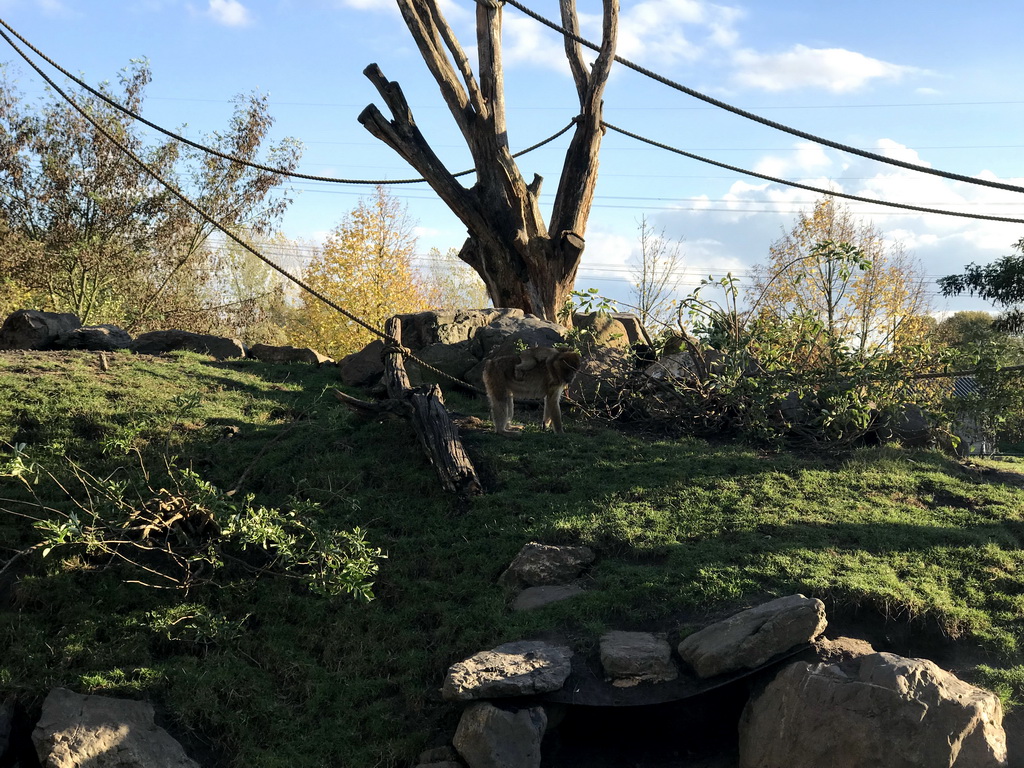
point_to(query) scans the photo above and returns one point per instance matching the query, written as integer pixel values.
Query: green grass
(263, 673)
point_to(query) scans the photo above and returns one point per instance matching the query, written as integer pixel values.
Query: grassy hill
(252, 667)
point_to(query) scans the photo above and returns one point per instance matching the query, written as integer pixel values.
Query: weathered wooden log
(367, 408)
(434, 428)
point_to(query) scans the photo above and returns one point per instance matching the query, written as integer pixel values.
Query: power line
(757, 118)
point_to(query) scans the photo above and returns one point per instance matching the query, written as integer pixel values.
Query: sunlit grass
(271, 675)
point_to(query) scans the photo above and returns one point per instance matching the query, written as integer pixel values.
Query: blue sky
(935, 83)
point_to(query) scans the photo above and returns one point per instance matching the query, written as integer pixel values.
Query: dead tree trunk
(523, 262)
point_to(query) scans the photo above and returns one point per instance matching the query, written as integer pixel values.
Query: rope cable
(757, 118)
(832, 193)
(329, 179)
(224, 156)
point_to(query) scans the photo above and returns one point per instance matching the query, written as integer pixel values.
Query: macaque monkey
(529, 359)
(541, 372)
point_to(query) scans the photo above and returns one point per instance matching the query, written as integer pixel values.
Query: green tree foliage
(965, 330)
(112, 244)
(829, 347)
(366, 267)
(1001, 282)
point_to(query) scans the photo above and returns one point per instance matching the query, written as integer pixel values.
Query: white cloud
(662, 32)
(230, 13)
(655, 33)
(834, 69)
(524, 41)
(735, 230)
(807, 157)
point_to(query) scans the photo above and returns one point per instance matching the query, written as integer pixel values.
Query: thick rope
(392, 343)
(798, 185)
(757, 118)
(224, 156)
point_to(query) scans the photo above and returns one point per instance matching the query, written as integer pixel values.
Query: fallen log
(424, 407)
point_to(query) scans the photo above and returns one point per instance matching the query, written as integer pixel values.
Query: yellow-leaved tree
(841, 275)
(366, 267)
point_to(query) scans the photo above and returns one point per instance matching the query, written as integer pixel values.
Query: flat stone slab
(537, 597)
(78, 730)
(539, 565)
(751, 637)
(522, 668)
(631, 658)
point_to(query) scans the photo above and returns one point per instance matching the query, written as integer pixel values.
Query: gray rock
(286, 354)
(625, 322)
(876, 710)
(97, 338)
(363, 368)
(537, 597)
(159, 342)
(751, 637)
(521, 668)
(506, 335)
(539, 565)
(454, 359)
(493, 737)
(841, 649)
(421, 329)
(32, 329)
(630, 658)
(75, 730)
(603, 376)
(601, 330)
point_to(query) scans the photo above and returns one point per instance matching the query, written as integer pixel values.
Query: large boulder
(624, 322)
(96, 338)
(32, 329)
(539, 565)
(601, 330)
(456, 360)
(629, 658)
(506, 335)
(500, 737)
(908, 424)
(751, 637)
(268, 353)
(603, 376)
(363, 368)
(875, 710)
(421, 329)
(523, 668)
(77, 730)
(159, 342)
(456, 342)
